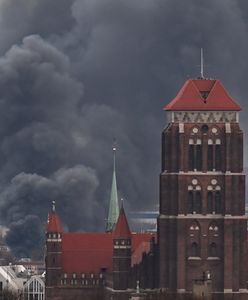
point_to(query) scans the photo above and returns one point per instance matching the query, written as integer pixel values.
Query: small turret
(122, 239)
(53, 248)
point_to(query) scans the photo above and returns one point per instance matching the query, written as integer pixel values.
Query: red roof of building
(87, 252)
(143, 247)
(53, 223)
(121, 228)
(203, 94)
(90, 252)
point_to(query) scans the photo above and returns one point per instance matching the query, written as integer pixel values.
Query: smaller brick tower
(53, 251)
(122, 239)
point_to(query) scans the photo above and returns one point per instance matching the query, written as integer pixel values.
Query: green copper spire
(114, 203)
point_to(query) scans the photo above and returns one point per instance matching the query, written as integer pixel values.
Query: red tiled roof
(203, 94)
(141, 242)
(121, 228)
(137, 255)
(89, 252)
(53, 224)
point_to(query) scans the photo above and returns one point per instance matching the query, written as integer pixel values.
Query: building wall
(220, 175)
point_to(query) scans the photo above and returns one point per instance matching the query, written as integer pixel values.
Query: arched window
(213, 250)
(194, 250)
(198, 203)
(218, 202)
(218, 157)
(210, 203)
(191, 157)
(210, 156)
(190, 202)
(195, 155)
(198, 157)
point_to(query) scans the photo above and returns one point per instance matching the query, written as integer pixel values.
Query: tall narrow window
(198, 203)
(212, 250)
(191, 158)
(199, 157)
(194, 251)
(210, 158)
(210, 203)
(218, 157)
(190, 202)
(218, 202)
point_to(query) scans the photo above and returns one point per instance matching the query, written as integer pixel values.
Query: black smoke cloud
(74, 75)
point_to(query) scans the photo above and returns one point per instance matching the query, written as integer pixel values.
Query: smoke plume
(74, 74)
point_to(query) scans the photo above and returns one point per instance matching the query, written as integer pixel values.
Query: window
(210, 203)
(213, 250)
(204, 128)
(198, 157)
(194, 251)
(217, 202)
(198, 203)
(191, 157)
(210, 158)
(195, 155)
(194, 200)
(214, 155)
(190, 202)
(217, 158)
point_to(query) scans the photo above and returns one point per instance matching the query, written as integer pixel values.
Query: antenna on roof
(202, 64)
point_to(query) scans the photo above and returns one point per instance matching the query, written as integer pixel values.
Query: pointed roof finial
(53, 206)
(202, 64)
(113, 212)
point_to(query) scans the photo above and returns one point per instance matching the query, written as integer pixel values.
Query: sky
(74, 75)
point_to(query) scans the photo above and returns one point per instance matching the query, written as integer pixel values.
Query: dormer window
(204, 95)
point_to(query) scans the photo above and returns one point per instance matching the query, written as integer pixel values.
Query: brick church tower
(122, 245)
(202, 227)
(53, 252)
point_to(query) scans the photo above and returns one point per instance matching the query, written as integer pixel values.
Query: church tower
(53, 251)
(122, 240)
(202, 227)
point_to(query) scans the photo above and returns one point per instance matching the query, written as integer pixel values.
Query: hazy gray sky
(74, 74)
